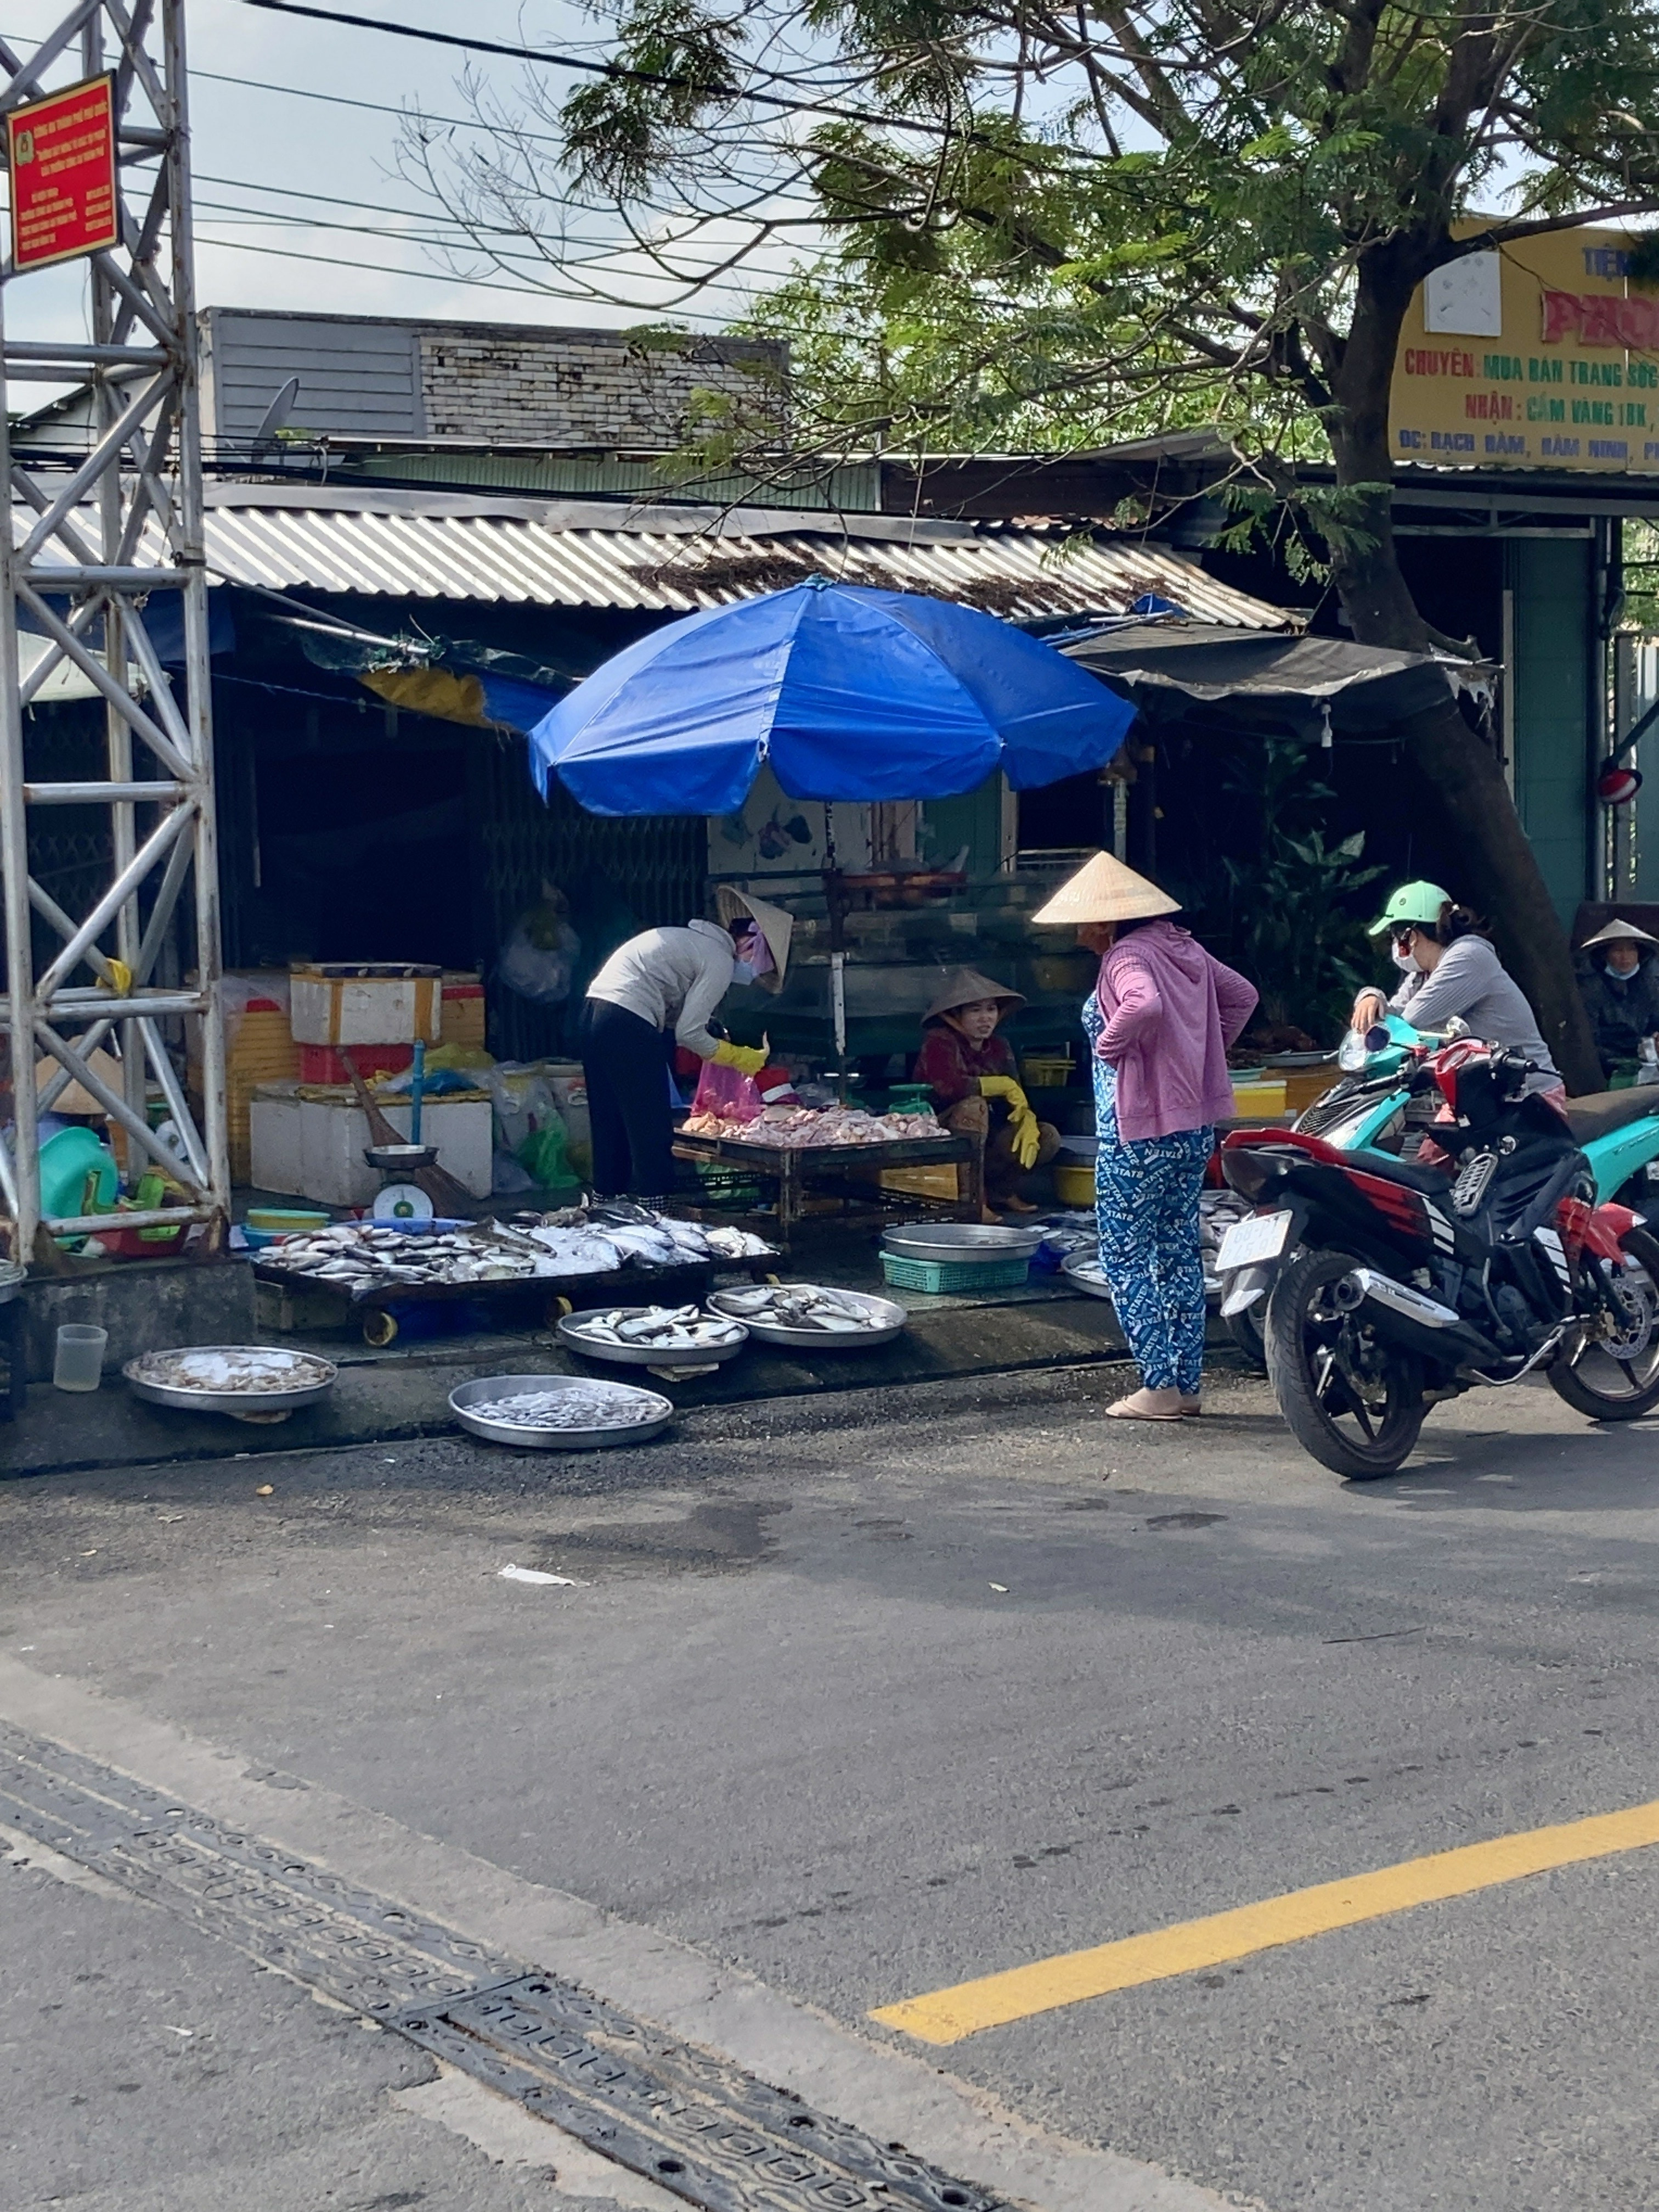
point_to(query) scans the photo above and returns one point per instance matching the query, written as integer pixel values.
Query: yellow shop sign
(1541, 355)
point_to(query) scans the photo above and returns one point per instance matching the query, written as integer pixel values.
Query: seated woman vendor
(974, 1080)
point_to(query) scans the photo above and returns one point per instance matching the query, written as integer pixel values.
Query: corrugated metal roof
(404, 542)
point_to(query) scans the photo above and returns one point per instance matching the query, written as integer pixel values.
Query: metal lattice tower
(91, 539)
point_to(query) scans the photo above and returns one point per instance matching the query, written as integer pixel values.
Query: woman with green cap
(1450, 971)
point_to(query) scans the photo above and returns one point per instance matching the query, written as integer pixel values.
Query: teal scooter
(1370, 1107)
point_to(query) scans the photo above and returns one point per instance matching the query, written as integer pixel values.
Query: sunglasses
(1403, 936)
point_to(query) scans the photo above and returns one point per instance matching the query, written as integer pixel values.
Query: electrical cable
(619, 73)
(442, 276)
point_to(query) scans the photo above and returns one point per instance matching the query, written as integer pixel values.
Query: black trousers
(626, 1062)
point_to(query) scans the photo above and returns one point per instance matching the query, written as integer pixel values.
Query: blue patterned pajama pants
(1146, 1204)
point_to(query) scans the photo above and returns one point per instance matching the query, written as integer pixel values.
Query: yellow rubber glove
(747, 1059)
(1022, 1121)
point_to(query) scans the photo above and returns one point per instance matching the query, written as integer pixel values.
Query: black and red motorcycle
(1391, 1285)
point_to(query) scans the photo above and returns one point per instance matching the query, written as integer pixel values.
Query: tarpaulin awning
(849, 693)
(1313, 685)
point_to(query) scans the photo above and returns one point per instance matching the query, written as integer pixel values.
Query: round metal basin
(889, 1316)
(313, 1378)
(656, 1410)
(573, 1331)
(960, 1243)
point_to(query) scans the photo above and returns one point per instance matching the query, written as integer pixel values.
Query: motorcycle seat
(1601, 1112)
(1435, 1182)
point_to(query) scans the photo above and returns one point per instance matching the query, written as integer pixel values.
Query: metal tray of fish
(781, 1313)
(683, 1339)
(961, 1241)
(250, 1381)
(559, 1412)
(1083, 1271)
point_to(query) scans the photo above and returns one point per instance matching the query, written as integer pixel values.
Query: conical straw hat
(776, 926)
(1619, 932)
(965, 987)
(1103, 889)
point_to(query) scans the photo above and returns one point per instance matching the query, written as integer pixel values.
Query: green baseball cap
(1412, 903)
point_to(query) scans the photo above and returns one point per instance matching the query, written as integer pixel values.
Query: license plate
(1247, 1243)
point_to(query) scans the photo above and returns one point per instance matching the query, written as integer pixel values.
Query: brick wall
(588, 388)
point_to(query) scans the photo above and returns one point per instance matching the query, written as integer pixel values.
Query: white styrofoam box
(329, 1004)
(274, 1140)
(332, 1136)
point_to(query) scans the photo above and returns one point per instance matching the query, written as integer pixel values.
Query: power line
(377, 106)
(463, 223)
(619, 73)
(438, 276)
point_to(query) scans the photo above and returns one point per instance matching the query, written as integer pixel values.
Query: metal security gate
(93, 537)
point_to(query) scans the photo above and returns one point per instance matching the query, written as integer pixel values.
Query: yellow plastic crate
(921, 1183)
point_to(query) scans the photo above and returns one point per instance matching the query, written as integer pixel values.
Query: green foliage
(1049, 231)
(1287, 906)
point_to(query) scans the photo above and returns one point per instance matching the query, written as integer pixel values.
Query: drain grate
(690, 2121)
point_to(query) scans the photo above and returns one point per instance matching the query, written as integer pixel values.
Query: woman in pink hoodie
(1159, 1022)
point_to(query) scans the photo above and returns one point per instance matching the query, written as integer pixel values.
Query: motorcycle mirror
(1377, 1038)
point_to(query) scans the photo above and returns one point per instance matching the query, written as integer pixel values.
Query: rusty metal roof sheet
(424, 544)
(400, 542)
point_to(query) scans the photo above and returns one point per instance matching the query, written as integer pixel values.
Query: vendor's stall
(844, 694)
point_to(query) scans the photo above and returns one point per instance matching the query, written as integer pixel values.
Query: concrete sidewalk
(403, 1391)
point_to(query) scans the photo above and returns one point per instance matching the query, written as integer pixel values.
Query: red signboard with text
(61, 152)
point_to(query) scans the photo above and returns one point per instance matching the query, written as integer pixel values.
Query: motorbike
(1372, 1106)
(1392, 1284)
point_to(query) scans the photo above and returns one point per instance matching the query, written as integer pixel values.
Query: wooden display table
(854, 1167)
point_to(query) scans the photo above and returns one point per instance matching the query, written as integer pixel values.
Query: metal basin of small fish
(559, 1412)
(806, 1315)
(1083, 1272)
(664, 1337)
(960, 1243)
(249, 1381)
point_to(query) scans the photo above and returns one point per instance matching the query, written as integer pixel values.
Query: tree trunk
(1501, 877)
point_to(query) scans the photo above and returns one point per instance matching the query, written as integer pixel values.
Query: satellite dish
(277, 414)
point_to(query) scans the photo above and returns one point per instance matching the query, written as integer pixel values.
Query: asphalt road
(863, 1701)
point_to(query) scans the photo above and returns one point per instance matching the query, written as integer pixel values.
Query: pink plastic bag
(728, 1092)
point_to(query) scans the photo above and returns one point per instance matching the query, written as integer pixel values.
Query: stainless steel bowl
(1082, 1272)
(400, 1159)
(663, 1358)
(891, 1315)
(960, 1243)
(260, 1405)
(488, 1386)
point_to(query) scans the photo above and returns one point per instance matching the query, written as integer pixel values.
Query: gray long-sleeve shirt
(671, 978)
(1471, 982)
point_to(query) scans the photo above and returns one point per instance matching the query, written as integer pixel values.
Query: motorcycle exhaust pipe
(1414, 1318)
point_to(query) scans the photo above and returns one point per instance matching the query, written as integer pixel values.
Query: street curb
(400, 1396)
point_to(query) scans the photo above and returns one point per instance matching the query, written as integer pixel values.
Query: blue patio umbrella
(849, 693)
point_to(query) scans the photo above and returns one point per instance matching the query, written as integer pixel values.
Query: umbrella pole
(836, 899)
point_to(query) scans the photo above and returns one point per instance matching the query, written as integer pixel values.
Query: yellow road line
(947, 2015)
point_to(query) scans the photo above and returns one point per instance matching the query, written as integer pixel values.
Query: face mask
(1406, 962)
(742, 971)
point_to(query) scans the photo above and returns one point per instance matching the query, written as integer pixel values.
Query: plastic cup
(78, 1361)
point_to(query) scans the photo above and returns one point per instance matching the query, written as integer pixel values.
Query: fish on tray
(802, 1305)
(660, 1328)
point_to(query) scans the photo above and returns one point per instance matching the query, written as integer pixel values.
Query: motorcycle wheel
(1246, 1331)
(1353, 1400)
(1617, 1381)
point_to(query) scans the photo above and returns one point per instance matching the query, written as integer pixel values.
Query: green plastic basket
(936, 1276)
